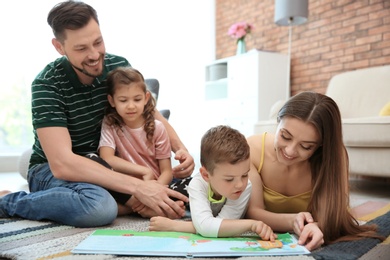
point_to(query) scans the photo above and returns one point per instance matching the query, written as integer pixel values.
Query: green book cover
(148, 243)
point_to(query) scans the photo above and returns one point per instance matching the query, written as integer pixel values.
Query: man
(68, 99)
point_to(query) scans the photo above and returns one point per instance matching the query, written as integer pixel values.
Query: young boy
(219, 194)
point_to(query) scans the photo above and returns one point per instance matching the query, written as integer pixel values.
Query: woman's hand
(311, 236)
(186, 166)
(301, 219)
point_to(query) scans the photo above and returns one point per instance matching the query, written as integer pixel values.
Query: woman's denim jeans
(71, 203)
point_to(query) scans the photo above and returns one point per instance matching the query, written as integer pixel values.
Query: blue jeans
(70, 203)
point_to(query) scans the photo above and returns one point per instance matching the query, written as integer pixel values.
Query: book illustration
(128, 242)
(269, 244)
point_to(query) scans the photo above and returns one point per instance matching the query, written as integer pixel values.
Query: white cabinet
(241, 90)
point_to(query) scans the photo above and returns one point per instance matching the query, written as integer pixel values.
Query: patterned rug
(24, 239)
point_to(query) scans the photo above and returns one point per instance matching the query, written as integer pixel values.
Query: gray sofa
(361, 96)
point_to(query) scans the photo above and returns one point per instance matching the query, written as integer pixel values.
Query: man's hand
(157, 197)
(186, 166)
(311, 236)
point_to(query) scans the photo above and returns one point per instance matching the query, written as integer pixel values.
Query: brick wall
(339, 36)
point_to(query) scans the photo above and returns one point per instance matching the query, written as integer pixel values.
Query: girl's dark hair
(127, 76)
(329, 203)
(71, 15)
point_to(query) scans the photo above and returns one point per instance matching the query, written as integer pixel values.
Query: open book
(148, 243)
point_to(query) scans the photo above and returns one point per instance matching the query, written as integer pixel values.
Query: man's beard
(85, 72)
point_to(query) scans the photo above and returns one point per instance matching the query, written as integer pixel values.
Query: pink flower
(240, 30)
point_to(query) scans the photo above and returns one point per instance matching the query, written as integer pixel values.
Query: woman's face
(295, 141)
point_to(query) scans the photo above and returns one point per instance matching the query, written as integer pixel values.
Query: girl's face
(295, 141)
(228, 180)
(129, 100)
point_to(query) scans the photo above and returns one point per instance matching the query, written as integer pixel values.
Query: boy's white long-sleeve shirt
(207, 216)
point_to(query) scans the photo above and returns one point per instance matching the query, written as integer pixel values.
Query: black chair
(154, 87)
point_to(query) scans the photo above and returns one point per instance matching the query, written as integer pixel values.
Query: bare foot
(4, 192)
(161, 224)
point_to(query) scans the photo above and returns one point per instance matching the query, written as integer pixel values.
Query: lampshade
(290, 12)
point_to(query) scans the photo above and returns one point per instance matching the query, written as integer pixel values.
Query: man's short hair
(70, 15)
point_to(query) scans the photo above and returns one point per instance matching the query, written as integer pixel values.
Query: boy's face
(228, 180)
(85, 51)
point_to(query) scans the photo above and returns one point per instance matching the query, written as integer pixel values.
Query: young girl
(132, 141)
(300, 174)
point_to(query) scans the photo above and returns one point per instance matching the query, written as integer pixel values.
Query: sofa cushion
(361, 93)
(367, 131)
(369, 161)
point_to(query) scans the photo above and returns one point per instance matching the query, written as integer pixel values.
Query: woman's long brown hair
(329, 203)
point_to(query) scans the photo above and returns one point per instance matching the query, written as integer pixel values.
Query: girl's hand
(264, 231)
(136, 205)
(186, 166)
(148, 174)
(311, 236)
(301, 219)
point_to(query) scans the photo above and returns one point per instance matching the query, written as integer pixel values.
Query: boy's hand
(263, 230)
(161, 224)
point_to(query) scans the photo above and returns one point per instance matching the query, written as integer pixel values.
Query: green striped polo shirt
(59, 99)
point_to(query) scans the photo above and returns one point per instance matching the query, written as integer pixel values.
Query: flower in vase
(240, 30)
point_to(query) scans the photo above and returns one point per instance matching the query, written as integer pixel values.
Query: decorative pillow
(385, 111)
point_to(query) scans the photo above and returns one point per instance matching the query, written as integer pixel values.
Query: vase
(241, 47)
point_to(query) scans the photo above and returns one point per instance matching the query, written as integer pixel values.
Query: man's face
(85, 50)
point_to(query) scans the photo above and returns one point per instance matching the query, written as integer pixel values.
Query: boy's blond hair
(222, 144)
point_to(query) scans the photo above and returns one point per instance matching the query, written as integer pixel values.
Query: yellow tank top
(279, 203)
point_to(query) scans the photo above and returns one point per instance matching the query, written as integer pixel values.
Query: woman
(300, 174)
